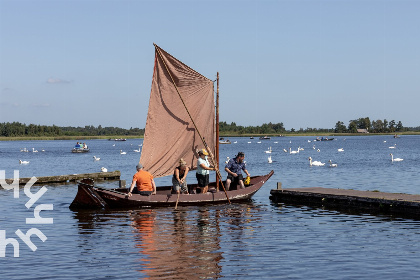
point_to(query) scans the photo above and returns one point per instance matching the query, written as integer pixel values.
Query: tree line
(378, 126)
(266, 128)
(16, 129)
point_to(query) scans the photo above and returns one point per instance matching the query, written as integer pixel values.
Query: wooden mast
(217, 131)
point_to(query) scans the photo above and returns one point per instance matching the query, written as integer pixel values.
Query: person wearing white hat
(203, 168)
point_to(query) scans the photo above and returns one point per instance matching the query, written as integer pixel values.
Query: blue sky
(303, 63)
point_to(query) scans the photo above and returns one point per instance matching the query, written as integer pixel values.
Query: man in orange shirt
(144, 182)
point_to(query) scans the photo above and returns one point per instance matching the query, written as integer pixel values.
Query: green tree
(340, 127)
(352, 127)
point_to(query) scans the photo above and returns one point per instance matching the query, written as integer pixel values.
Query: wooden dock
(113, 175)
(351, 200)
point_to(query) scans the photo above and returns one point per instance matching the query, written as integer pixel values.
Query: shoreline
(23, 138)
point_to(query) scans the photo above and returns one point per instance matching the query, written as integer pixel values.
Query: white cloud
(57, 81)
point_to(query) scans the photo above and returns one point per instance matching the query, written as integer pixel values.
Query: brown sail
(170, 133)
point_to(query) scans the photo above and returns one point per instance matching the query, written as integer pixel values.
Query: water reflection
(179, 248)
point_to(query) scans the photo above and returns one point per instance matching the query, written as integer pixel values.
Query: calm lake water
(258, 239)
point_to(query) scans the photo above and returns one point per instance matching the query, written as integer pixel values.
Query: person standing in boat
(143, 180)
(233, 168)
(179, 180)
(203, 168)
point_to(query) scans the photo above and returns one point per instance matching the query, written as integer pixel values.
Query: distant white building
(362, 130)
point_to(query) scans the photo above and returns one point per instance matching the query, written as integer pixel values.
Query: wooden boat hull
(75, 150)
(89, 196)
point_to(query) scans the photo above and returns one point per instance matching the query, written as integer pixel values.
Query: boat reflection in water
(180, 249)
(160, 243)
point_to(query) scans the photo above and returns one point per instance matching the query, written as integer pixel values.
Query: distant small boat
(396, 136)
(252, 137)
(265, 138)
(324, 139)
(117, 139)
(225, 141)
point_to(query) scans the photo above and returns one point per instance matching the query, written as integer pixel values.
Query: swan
(268, 151)
(123, 153)
(96, 158)
(285, 150)
(395, 159)
(103, 169)
(341, 150)
(315, 163)
(249, 142)
(42, 150)
(293, 152)
(300, 149)
(393, 147)
(227, 159)
(24, 150)
(259, 142)
(313, 147)
(235, 142)
(137, 151)
(269, 159)
(113, 145)
(332, 164)
(318, 150)
(275, 142)
(34, 151)
(23, 162)
(309, 141)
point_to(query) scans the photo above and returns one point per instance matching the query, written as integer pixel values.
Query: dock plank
(371, 201)
(112, 175)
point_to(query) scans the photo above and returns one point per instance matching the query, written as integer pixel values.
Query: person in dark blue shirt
(234, 168)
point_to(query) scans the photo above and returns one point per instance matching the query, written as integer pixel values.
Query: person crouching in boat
(203, 168)
(179, 180)
(143, 180)
(233, 168)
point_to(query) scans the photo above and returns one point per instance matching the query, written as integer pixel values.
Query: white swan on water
(269, 159)
(23, 162)
(268, 151)
(395, 159)
(96, 158)
(227, 159)
(137, 151)
(315, 163)
(103, 169)
(332, 164)
(393, 147)
(123, 153)
(341, 150)
(293, 152)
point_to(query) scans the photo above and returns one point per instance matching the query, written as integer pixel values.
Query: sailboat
(181, 120)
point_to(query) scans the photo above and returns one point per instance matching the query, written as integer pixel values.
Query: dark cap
(241, 154)
(139, 166)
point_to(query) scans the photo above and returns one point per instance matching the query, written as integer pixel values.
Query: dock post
(279, 186)
(122, 184)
